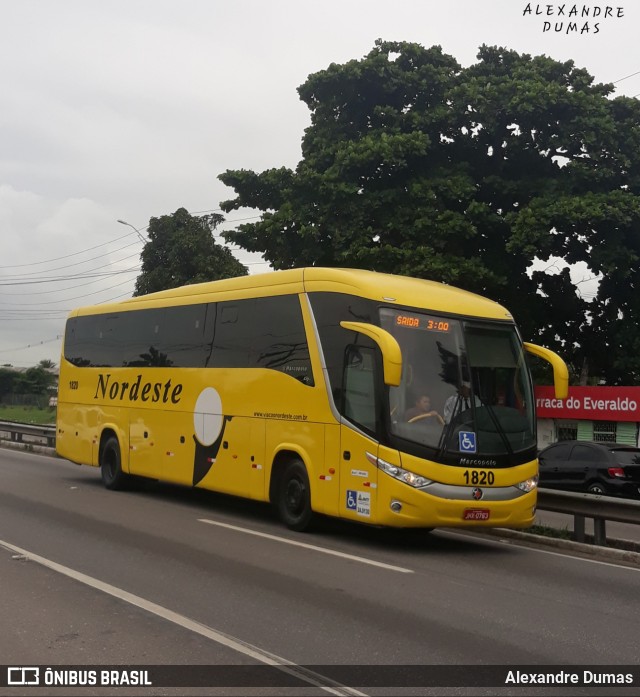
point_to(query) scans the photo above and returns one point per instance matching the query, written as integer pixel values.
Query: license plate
(476, 514)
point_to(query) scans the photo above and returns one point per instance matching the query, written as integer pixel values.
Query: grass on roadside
(28, 415)
(547, 531)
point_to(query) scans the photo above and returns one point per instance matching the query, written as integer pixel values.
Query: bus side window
(233, 336)
(359, 386)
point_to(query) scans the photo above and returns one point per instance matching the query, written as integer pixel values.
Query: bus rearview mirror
(560, 370)
(391, 353)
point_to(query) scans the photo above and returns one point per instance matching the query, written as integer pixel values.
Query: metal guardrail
(580, 506)
(28, 434)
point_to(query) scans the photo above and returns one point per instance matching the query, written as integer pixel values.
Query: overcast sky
(130, 109)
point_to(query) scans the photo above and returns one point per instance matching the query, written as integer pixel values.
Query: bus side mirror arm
(560, 371)
(391, 353)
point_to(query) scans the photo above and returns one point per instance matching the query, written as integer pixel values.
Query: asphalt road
(171, 576)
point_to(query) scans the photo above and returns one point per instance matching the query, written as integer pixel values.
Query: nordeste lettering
(137, 390)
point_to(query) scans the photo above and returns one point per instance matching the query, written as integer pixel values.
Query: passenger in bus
(459, 402)
(422, 410)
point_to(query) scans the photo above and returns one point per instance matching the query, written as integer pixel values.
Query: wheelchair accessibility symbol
(352, 500)
(467, 441)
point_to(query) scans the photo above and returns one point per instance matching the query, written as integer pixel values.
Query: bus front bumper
(400, 505)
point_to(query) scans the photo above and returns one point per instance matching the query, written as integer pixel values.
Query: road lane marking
(314, 548)
(330, 686)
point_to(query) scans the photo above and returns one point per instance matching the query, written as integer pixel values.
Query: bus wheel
(110, 465)
(294, 497)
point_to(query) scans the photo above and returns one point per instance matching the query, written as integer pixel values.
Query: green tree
(7, 379)
(181, 250)
(414, 165)
(35, 380)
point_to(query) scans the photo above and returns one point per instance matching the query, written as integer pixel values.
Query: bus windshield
(465, 389)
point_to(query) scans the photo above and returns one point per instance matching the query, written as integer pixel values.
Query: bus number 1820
(477, 477)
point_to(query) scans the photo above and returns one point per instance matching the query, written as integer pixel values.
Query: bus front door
(358, 475)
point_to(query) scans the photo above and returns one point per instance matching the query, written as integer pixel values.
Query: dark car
(612, 469)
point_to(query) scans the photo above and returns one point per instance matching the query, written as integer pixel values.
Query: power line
(212, 210)
(117, 297)
(7, 316)
(28, 346)
(68, 266)
(64, 300)
(59, 290)
(85, 274)
(627, 77)
(117, 239)
(67, 256)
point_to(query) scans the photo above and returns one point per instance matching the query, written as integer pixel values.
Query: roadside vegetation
(25, 395)
(548, 531)
(28, 415)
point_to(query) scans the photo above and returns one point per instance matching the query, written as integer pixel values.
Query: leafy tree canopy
(7, 378)
(417, 166)
(181, 250)
(35, 380)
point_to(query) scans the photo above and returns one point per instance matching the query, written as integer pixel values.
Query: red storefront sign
(590, 403)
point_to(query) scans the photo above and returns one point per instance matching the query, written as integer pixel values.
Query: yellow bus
(300, 388)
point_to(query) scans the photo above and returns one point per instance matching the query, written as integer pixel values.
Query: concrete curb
(29, 447)
(587, 550)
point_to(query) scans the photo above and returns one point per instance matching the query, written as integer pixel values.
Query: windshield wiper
(499, 429)
(448, 431)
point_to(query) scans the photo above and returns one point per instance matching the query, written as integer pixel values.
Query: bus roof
(387, 288)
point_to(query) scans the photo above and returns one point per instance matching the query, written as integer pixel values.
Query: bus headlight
(528, 484)
(411, 478)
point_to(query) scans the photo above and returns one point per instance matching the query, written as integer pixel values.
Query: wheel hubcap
(110, 464)
(295, 495)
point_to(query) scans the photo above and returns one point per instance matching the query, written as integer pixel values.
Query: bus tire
(294, 497)
(111, 465)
